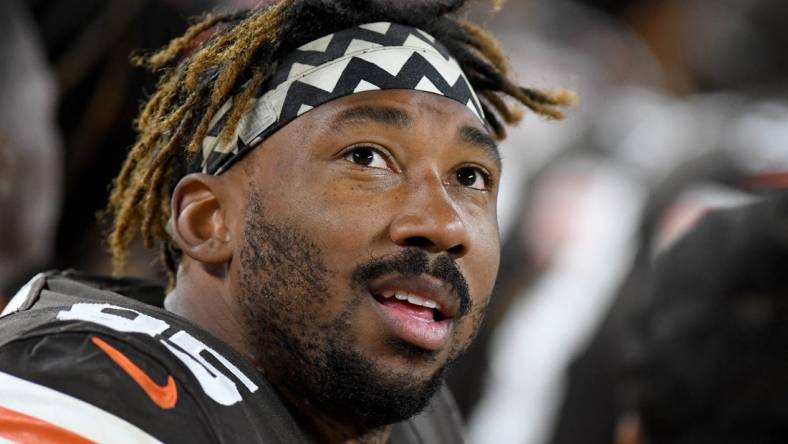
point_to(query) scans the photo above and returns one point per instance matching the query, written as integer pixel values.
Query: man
(705, 349)
(323, 179)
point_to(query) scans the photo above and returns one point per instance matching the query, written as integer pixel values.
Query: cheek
(314, 199)
(480, 267)
(484, 257)
(481, 283)
(343, 222)
(349, 218)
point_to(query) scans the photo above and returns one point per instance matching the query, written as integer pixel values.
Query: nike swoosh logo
(164, 396)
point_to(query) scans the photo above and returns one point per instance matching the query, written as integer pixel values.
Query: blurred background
(683, 112)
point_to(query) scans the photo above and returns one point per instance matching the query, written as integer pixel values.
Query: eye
(472, 177)
(366, 156)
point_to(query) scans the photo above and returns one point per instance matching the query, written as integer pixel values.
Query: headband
(374, 56)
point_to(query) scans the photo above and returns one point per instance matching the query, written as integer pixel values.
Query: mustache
(415, 262)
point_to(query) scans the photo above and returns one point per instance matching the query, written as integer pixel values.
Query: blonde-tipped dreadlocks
(236, 60)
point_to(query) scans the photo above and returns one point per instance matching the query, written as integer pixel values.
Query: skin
(308, 177)
(629, 430)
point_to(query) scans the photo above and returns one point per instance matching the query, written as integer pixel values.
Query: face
(370, 248)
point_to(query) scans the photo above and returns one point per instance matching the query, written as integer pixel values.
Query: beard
(283, 285)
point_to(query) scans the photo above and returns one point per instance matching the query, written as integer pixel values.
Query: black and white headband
(374, 56)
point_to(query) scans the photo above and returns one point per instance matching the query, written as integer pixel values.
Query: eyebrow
(384, 115)
(475, 136)
(397, 118)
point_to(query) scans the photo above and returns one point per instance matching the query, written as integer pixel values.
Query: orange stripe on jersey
(164, 396)
(18, 427)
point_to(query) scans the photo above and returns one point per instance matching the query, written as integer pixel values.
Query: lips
(418, 310)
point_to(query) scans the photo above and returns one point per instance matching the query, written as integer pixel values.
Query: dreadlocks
(237, 59)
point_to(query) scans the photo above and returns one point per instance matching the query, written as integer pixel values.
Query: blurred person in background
(734, 126)
(30, 150)
(711, 182)
(88, 44)
(704, 344)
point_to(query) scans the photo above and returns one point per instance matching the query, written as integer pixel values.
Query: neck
(202, 302)
(325, 428)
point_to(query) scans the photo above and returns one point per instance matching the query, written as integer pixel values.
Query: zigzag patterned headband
(374, 56)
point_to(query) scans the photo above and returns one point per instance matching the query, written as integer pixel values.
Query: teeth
(415, 300)
(411, 298)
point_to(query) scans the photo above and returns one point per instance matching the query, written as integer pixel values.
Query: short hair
(706, 348)
(240, 51)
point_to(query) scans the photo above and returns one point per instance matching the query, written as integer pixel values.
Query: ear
(199, 226)
(628, 430)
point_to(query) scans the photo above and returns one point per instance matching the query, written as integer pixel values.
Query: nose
(429, 220)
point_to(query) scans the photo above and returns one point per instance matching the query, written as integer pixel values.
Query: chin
(370, 394)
